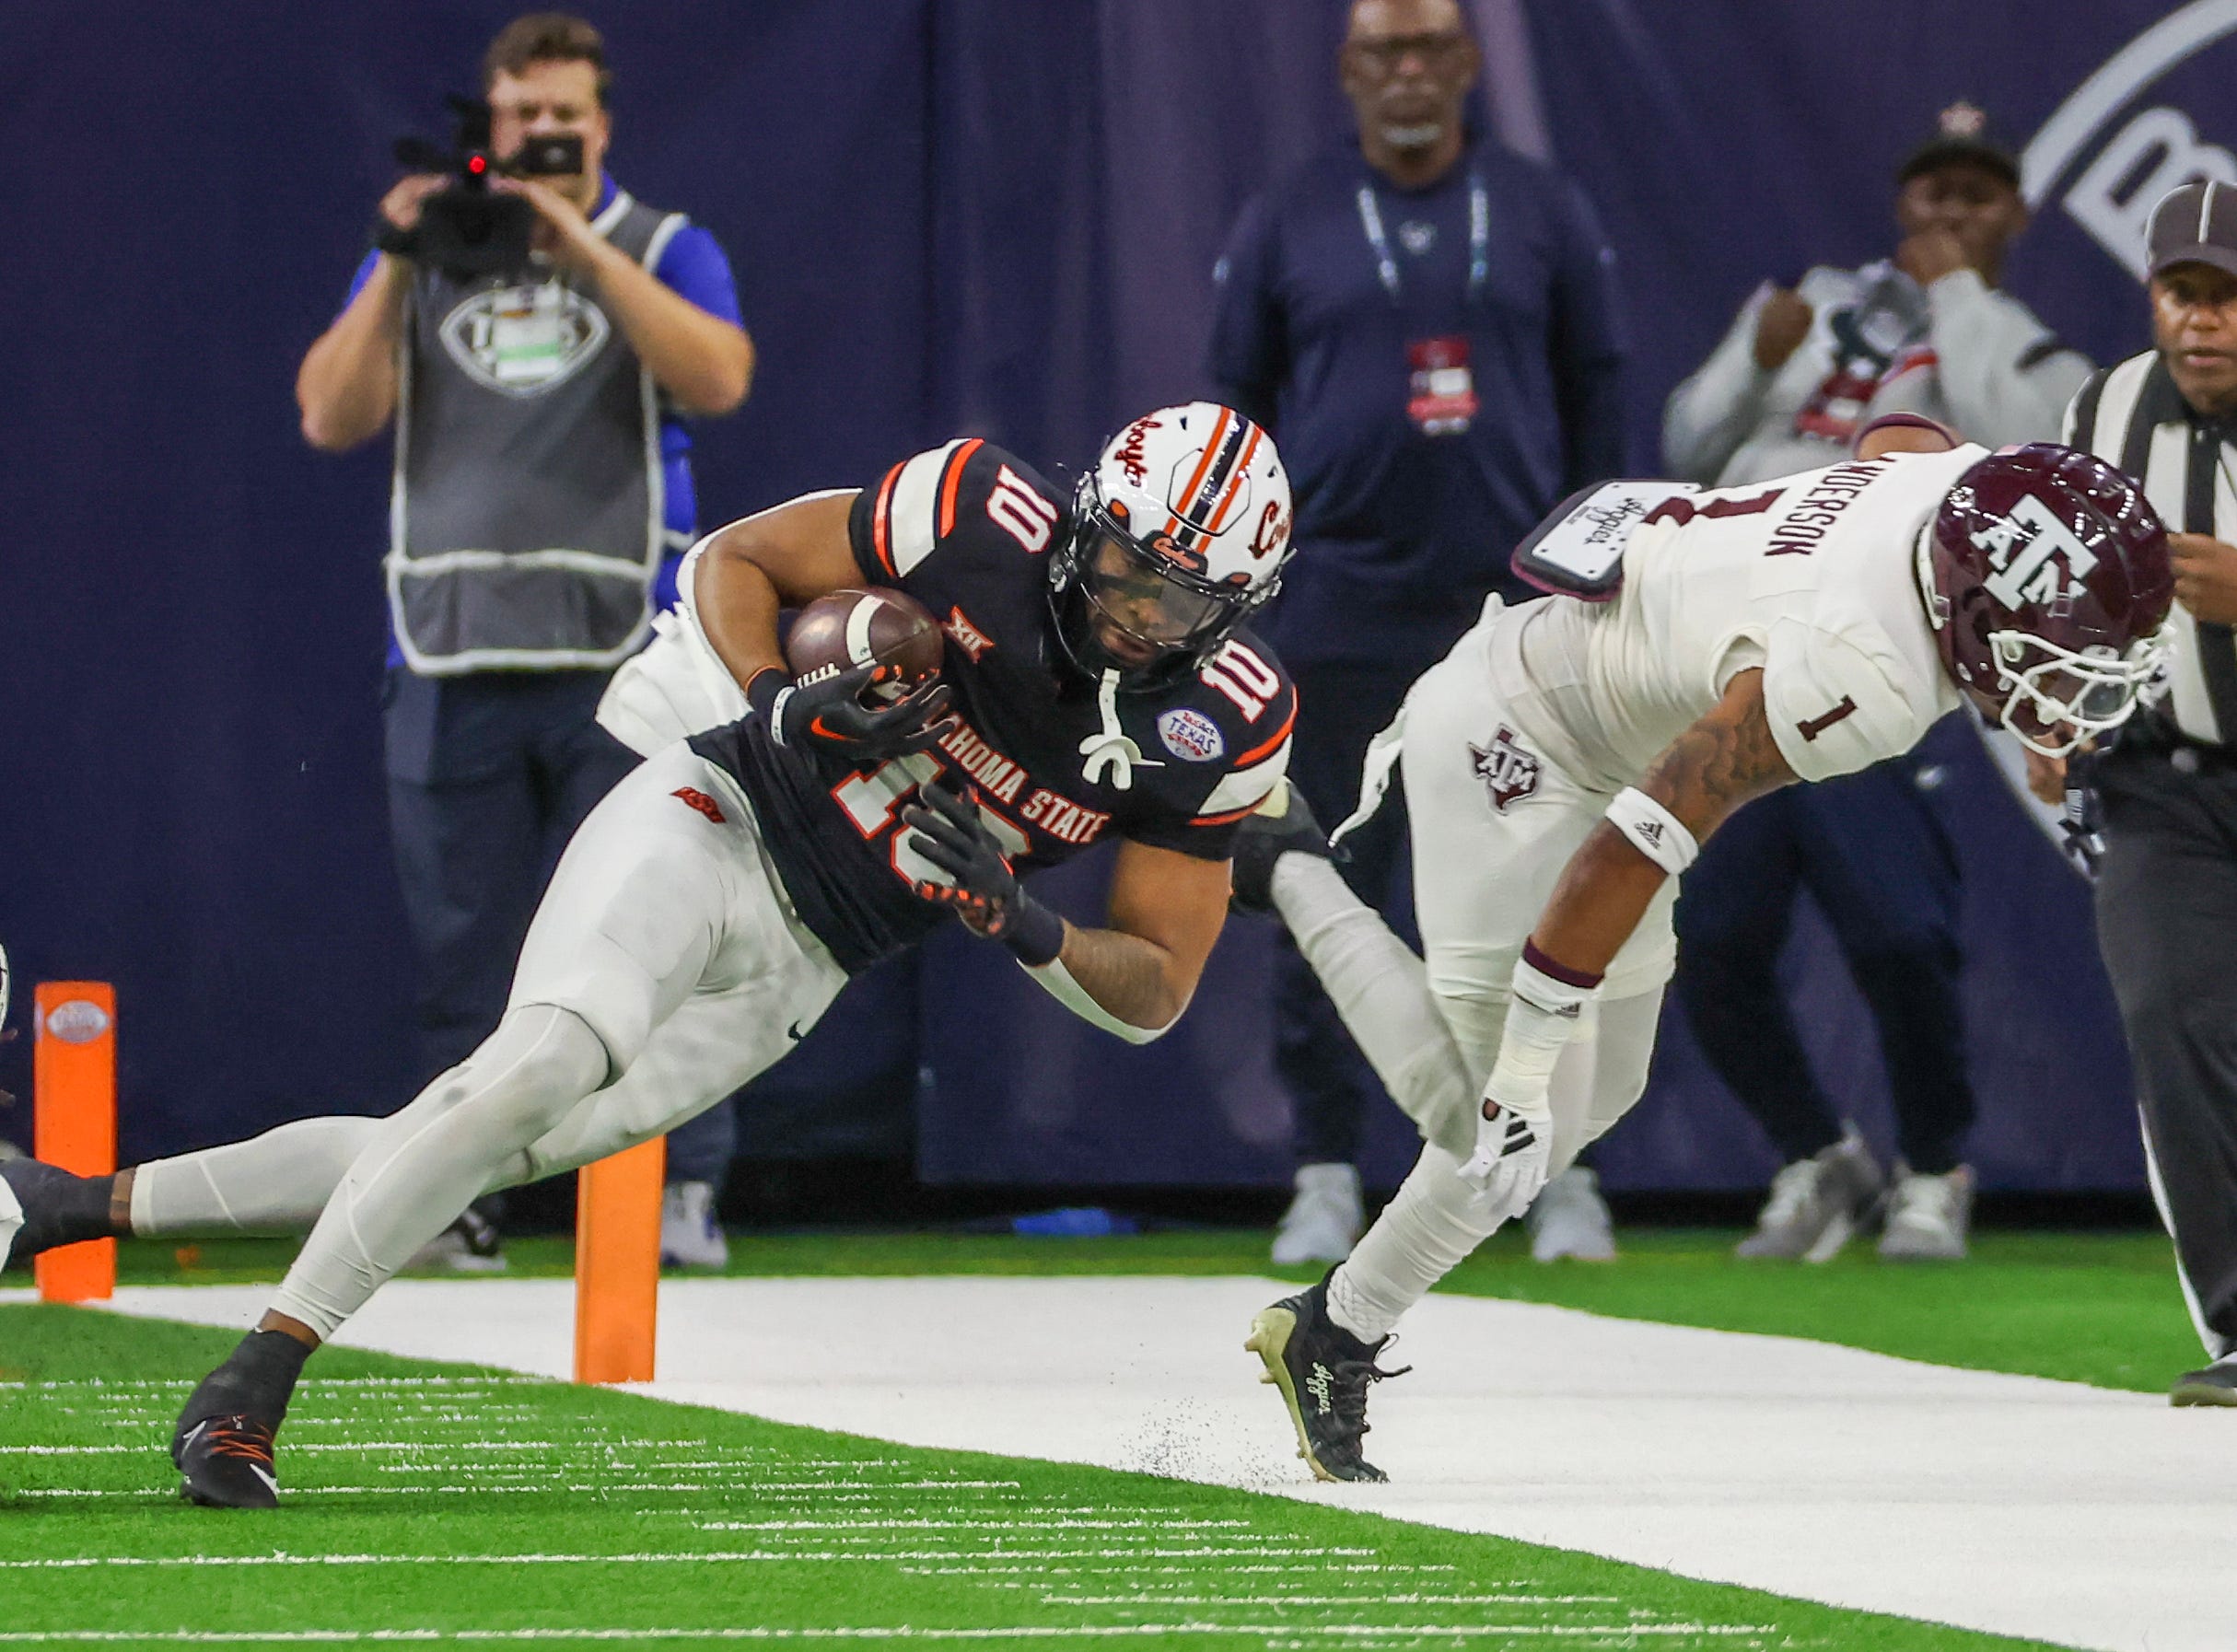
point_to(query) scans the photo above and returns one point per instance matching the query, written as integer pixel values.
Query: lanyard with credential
(1479, 238)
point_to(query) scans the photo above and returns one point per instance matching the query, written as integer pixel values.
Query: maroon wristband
(1545, 966)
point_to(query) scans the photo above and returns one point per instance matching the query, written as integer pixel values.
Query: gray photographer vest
(525, 520)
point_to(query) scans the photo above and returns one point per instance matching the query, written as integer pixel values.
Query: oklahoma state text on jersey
(966, 530)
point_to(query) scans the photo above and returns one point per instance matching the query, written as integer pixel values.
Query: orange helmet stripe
(1235, 480)
(1203, 466)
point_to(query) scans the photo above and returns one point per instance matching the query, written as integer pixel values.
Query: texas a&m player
(1563, 762)
(1097, 683)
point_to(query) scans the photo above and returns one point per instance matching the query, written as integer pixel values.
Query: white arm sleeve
(2004, 374)
(1711, 416)
(1834, 700)
(1056, 981)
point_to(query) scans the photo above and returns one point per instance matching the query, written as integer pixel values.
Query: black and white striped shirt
(2133, 415)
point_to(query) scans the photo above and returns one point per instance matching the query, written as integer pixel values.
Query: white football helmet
(1179, 533)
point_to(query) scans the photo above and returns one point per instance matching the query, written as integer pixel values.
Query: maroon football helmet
(2046, 579)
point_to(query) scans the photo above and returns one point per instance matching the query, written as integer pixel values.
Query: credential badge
(521, 341)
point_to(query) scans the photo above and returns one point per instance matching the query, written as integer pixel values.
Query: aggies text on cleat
(1323, 1373)
(227, 1462)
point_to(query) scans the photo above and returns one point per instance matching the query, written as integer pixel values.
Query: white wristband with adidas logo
(1660, 836)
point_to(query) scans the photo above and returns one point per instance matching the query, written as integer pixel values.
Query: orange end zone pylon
(617, 1264)
(74, 1065)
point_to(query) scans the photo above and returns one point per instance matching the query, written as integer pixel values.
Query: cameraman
(542, 491)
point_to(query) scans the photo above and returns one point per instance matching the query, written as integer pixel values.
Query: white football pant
(1485, 866)
(664, 969)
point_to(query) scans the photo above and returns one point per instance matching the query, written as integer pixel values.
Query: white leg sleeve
(419, 1169)
(1380, 989)
(277, 1182)
(1435, 1221)
(710, 1046)
(1615, 1074)
(1421, 1236)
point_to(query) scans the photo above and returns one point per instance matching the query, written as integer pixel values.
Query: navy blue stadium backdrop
(994, 215)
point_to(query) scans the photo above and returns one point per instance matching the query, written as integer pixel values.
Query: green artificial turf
(436, 1504)
(2097, 1308)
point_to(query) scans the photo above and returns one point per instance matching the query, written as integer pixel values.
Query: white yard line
(1276, 1633)
(2007, 1503)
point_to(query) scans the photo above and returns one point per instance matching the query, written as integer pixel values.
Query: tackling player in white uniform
(1563, 762)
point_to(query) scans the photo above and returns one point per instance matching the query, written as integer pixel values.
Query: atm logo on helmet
(2026, 546)
(2123, 158)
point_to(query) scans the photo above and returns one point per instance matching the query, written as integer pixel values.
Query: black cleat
(1323, 1372)
(2215, 1385)
(227, 1462)
(1282, 825)
(41, 1207)
(223, 1446)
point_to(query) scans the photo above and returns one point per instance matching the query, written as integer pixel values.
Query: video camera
(465, 229)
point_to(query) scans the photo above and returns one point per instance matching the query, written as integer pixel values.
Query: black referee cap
(2195, 224)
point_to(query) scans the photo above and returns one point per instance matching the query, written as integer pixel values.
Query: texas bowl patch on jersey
(1190, 735)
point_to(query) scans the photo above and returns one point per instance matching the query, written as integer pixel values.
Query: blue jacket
(1401, 534)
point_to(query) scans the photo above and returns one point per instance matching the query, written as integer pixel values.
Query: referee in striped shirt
(2167, 889)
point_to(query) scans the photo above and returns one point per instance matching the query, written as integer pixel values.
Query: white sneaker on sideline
(470, 1245)
(1818, 1204)
(1928, 1216)
(1570, 1218)
(690, 1235)
(1323, 1220)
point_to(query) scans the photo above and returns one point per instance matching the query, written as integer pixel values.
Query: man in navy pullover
(1427, 322)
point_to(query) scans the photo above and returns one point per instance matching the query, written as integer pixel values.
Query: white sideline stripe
(1288, 1634)
(2046, 1510)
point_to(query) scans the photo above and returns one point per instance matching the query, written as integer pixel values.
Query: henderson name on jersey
(967, 530)
(1813, 578)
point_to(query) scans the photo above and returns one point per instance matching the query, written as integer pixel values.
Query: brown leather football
(852, 628)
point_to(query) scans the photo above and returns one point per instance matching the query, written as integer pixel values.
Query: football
(854, 628)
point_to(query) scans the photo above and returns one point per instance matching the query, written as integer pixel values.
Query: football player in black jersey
(1097, 683)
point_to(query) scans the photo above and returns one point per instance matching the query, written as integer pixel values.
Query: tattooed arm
(1725, 759)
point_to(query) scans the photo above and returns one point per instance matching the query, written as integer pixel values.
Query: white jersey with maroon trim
(1812, 578)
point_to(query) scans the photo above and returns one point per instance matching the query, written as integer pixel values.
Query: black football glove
(985, 894)
(832, 714)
